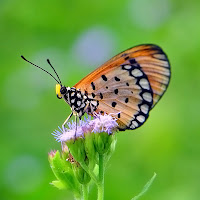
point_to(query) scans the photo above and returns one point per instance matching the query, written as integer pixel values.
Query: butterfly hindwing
(129, 84)
(155, 65)
(127, 95)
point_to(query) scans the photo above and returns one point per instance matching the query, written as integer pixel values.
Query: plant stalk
(85, 191)
(101, 178)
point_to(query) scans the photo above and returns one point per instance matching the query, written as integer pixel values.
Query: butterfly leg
(89, 109)
(76, 121)
(86, 108)
(63, 125)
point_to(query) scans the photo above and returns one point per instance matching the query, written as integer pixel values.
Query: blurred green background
(78, 36)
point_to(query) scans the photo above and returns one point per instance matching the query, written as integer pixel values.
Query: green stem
(85, 191)
(77, 197)
(101, 178)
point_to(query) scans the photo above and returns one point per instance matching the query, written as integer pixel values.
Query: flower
(103, 123)
(86, 148)
(100, 123)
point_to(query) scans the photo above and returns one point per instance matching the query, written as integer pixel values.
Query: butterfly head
(61, 91)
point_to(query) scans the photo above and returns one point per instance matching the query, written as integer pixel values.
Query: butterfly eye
(63, 90)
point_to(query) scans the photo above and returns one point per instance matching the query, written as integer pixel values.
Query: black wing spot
(114, 104)
(104, 77)
(132, 61)
(118, 115)
(117, 79)
(106, 87)
(93, 86)
(101, 95)
(93, 95)
(126, 100)
(116, 91)
(124, 54)
(127, 84)
(126, 58)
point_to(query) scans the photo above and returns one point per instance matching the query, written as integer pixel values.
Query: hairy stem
(101, 178)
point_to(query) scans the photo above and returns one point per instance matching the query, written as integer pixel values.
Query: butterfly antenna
(54, 70)
(41, 69)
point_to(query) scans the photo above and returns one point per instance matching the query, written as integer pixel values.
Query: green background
(78, 36)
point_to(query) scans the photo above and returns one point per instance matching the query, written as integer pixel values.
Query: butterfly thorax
(78, 101)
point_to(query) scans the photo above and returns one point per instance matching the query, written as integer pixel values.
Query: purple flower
(103, 123)
(100, 123)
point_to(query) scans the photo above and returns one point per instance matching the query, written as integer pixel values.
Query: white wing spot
(160, 56)
(94, 103)
(78, 103)
(144, 83)
(141, 118)
(79, 95)
(83, 105)
(132, 126)
(127, 67)
(134, 123)
(147, 96)
(136, 73)
(72, 94)
(144, 108)
(73, 100)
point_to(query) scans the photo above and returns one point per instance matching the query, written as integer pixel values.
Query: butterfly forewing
(129, 84)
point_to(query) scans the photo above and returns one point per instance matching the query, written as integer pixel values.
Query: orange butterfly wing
(130, 83)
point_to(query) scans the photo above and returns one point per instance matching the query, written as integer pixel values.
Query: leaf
(145, 188)
(58, 184)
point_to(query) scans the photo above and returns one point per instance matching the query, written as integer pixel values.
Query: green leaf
(58, 184)
(63, 171)
(145, 189)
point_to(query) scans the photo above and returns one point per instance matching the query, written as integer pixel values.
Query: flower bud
(111, 149)
(62, 169)
(90, 150)
(102, 142)
(77, 149)
(51, 155)
(65, 151)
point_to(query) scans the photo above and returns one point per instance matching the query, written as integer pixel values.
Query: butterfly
(127, 86)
